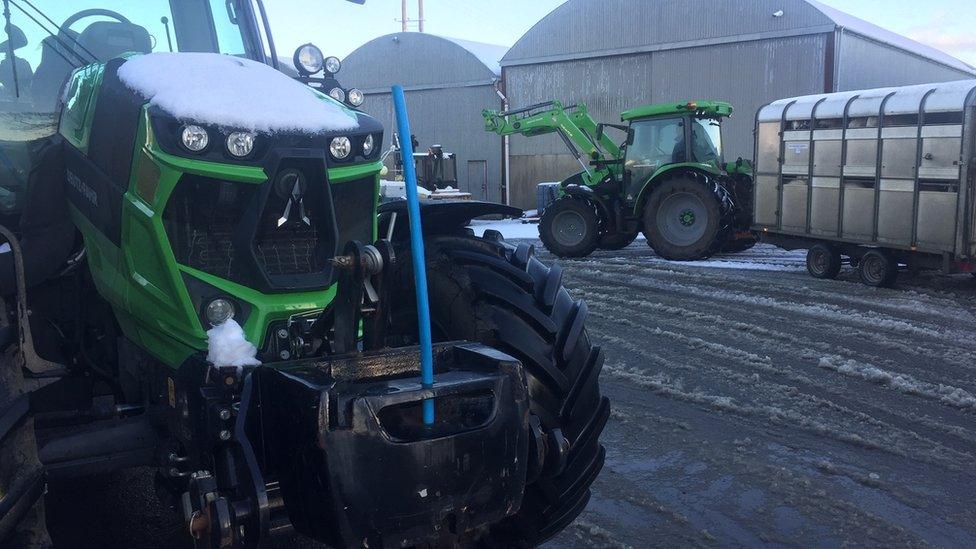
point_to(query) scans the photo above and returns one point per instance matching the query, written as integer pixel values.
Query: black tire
(569, 227)
(488, 291)
(673, 221)
(617, 241)
(823, 261)
(878, 268)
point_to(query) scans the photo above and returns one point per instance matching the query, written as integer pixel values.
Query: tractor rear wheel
(617, 241)
(569, 227)
(682, 220)
(486, 290)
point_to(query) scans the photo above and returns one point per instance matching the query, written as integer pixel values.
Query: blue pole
(417, 250)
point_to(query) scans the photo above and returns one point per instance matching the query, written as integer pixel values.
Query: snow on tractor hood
(227, 91)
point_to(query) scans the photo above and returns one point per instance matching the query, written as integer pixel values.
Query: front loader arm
(573, 124)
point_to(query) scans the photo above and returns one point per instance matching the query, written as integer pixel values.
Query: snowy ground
(752, 404)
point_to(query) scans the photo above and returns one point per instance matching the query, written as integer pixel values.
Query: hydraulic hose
(416, 251)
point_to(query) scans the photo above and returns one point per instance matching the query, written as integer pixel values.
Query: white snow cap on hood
(227, 346)
(232, 92)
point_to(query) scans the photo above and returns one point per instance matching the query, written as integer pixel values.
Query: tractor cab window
(706, 140)
(656, 142)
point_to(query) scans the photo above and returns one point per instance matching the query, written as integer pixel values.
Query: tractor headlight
(195, 138)
(219, 311)
(240, 144)
(309, 59)
(368, 145)
(332, 64)
(356, 97)
(337, 94)
(340, 147)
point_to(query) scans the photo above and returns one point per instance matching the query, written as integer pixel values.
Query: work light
(340, 147)
(368, 145)
(356, 97)
(240, 144)
(195, 138)
(309, 59)
(337, 94)
(219, 311)
(332, 64)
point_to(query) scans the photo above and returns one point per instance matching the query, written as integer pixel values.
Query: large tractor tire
(683, 220)
(569, 227)
(485, 290)
(617, 241)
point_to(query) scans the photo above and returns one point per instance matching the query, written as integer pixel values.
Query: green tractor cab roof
(705, 109)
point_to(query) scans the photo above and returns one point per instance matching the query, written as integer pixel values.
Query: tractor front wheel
(682, 220)
(488, 291)
(569, 227)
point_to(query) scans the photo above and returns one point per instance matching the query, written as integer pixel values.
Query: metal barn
(618, 54)
(447, 83)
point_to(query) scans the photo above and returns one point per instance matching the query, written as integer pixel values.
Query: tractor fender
(699, 172)
(576, 187)
(439, 217)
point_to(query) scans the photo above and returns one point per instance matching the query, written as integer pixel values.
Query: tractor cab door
(706, 141)
(657, 142)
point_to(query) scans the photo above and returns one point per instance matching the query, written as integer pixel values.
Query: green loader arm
(573, 124)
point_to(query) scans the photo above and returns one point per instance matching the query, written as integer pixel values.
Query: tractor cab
(671, 134)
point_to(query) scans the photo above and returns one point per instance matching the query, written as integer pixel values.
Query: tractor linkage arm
(582, 135)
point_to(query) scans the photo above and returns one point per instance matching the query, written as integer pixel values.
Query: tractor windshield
(43, 41)
(706, 140)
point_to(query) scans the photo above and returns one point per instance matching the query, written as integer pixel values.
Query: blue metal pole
(417, 250)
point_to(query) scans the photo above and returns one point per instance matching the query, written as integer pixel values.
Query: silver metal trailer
(882, 177)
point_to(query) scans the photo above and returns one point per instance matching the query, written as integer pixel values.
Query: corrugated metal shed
(748, 52)
(447, 82)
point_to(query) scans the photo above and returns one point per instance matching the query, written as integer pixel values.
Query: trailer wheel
(682, 220)
(489, 291)
(617, 241)
(877, 268)
(823, 261)
(569, 227)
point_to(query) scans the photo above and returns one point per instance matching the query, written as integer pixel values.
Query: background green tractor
(668, 179)
(200, 279)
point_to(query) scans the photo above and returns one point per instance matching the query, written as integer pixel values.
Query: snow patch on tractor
(226, 346)
(227, 91)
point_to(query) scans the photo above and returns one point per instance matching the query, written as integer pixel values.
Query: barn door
(478, 180)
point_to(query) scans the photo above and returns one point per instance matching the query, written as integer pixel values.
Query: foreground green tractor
(197, 277)
(668, 179)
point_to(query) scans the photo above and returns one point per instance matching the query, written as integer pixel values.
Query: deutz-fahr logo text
(82, 188)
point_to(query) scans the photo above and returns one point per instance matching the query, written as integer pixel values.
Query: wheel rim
(873, 269)
(682, 219)
(569, 228)
(818, 262)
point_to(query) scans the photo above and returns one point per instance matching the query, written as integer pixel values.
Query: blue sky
(949, 25)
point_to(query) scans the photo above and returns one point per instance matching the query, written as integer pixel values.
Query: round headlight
(332, 64)
(219, 311)
(356, 97)
(240, 144)
(368, 145)
(195, 138)
(309, 59)
(340, 147)
(337, 94)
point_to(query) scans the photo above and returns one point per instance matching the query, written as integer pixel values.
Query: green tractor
(668, 179)
(196, 276)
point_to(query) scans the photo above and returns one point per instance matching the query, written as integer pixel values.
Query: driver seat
(108, 39)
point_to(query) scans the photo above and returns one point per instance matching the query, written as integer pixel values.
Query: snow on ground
(232, 92)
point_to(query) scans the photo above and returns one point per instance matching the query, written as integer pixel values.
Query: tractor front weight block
(342, 446)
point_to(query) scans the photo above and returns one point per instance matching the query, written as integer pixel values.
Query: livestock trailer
(881, 177)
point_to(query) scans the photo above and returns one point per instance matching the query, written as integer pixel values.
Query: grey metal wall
(450, 117)
(865, 63)
(747, 74)
(446, 88)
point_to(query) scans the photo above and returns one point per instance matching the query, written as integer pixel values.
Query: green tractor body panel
(707, 109)
(140, 276)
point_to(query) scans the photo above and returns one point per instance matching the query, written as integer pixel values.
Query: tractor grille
(355, 201)
(211, 227)
(201, 220)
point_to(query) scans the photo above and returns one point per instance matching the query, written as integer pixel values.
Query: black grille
(354, 206)
(201, 219)
(294, 248)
